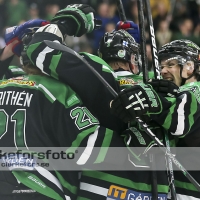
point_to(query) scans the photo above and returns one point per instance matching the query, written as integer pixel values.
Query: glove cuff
(52, 28)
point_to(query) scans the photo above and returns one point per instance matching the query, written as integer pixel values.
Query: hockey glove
(18, 32)
(164, 87)
(131, 28)
(138, 138)
(136, 101)
(77, 19)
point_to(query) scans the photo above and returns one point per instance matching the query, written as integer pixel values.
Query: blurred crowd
(173, 19)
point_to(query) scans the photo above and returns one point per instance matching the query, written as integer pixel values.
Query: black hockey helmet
(24, 59)
(118, 45)
(183, 51)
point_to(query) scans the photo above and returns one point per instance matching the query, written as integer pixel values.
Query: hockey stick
(157, 76)
(145, 79)
(142, 41)
(60, 47)
(120, 7)
(153, 41)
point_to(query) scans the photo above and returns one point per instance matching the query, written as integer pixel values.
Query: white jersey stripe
(181, 116)
(185, 197)
(88, 150)
(94, 189)
(41, 57)
(49, 176)
(47, 92)
(108, 69)
(123, 73)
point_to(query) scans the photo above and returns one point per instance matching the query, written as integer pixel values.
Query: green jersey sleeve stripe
(194, 108)
(80, 137)
(53, 65)
(89, 148)
(168, 119)
(65, 184)
(82, 198)
(96, 59)
(106, 143)
(187, 186)
(33, 182)
(31, 49)
(126, 182)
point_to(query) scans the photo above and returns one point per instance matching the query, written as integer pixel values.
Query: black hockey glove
(164, 87)
(77, 19)
(136, 101)
(138, 138)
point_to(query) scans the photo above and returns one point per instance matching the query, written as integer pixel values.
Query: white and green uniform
(185, 189)
(95, 184)
(182, 122)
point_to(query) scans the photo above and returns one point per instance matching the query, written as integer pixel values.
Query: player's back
(34, 112)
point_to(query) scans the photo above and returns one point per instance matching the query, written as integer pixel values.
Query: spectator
(16, 11)
(163, 34)
(51, 10)
(133, 10)
(105, 12)
(156, 7)
(33, 11)
(2, 15)
(109, 27)
(79, 44)
(186, 31)
(162, 13)
(182, 11)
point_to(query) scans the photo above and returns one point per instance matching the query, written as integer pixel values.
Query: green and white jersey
(184, 188)
(39, 111)
(72, 71)
(13, 71)
(93, 93)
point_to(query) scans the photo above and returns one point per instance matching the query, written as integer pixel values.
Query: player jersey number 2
(18, 118)
(83, 117)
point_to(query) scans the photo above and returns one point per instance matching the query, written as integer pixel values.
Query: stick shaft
(121, 10)
(142, 41)
(153, 40)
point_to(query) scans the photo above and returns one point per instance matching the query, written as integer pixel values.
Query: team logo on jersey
(119, 193)
(20, 82)
(127, 81)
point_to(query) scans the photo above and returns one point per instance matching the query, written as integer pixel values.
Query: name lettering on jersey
(15, 81)
(15, 98)
(119, 193)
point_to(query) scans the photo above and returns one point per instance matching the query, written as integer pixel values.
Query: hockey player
(35, 114)
(179, 115)
(122, 53)
(180, 62)
(66, 70)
